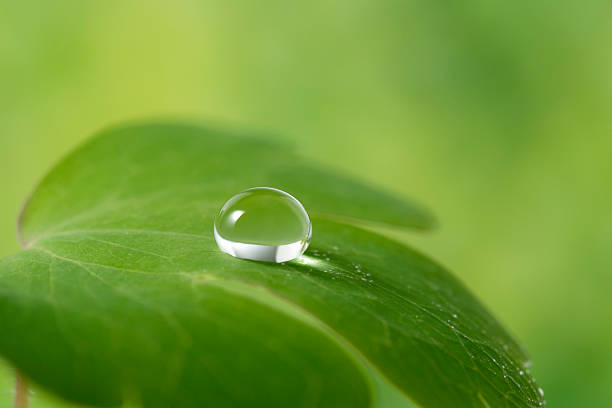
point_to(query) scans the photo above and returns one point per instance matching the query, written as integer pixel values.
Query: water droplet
(263, 224)
(541, 391)
(521, 372)
(455, 315)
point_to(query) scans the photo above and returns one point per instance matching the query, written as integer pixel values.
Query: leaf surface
(122, 294)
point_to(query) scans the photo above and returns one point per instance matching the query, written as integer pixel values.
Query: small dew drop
(541, 391)
(521, 372)
(455, 315)
(263, 224)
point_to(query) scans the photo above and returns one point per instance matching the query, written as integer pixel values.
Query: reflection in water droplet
(263, 224)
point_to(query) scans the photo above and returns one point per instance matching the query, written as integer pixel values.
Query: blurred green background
(497, 115)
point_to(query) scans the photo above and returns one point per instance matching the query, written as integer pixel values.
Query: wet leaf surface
(121, 293)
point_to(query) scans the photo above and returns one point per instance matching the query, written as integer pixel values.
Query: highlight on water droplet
(263, 224)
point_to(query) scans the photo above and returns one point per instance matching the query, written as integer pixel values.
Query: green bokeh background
(497, 115)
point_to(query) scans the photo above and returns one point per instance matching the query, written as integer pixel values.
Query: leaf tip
(19, 225)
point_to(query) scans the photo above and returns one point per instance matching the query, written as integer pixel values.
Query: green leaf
(122, 294)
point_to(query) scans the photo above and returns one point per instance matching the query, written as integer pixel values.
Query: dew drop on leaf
(263, 224)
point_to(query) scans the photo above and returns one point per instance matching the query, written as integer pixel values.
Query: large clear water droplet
(263, 224)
